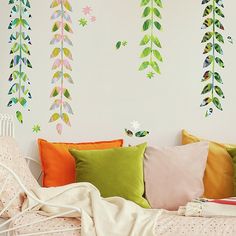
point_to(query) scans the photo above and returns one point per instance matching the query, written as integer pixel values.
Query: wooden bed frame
(7, 129)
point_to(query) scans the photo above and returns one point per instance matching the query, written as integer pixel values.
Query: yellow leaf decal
(55, 52)
(66, 119)
(67, 5)
(67, 53)
(54, 117)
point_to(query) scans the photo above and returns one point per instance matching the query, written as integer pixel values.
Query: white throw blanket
(204, 208)
(99, 216)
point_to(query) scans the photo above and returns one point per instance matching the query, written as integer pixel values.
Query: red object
(226, 201)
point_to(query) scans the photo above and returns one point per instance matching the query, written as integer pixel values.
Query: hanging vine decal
(213, 51)
(150, 41)
(20, 41)
(61, 66)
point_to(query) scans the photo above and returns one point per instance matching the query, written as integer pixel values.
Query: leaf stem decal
(213, 51)
(20, 41)
(150, 41)
(61, 66)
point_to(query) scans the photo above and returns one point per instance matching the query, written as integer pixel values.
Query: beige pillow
(11, 156)
(174, 175)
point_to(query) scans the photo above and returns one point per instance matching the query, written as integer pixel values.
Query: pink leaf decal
(67, 40)
(93, 18)
(55, 104)
(56, 39)
(67, 65)
(67, 107)
(56, 14)
(56, 64)
(59, 128)
(67, 17)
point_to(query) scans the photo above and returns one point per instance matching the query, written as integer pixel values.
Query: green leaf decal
(141, 134)
(156, 41)
(219, 91)
(145, 40)
(218, 77)
(146, 52)
(12, 102)
(67, 94)
(157, 12)
(207, 23)
(144, 2)
(129, 132)
(19, 116)
(207, 48)
(158, 25)
(22, 101)
(206, 101)
(155, 67)
(217, 103)
(209, 112)
(144, 65)
(55, 92)
(150, 41)
(118, 45)
(25, 49)
(157, 54)
(15, 48)
(159, 3)
(207, 75)
(207, 36)
(219, 62)
(146, 11)
(205, 1)
(208, 10)
(219, 25)
(218, 48)
(219, 12)
(14, 89)
(207, 88)
(209, 59)
(220, 3)
(147, 24)
(219, 37)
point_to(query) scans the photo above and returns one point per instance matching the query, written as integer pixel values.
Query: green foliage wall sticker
(20, 41)
(62, 57)
(150, 42)
(213, 40)
(120, 44)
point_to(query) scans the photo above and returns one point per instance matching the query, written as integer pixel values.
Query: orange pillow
(218, 178)
(58, 165)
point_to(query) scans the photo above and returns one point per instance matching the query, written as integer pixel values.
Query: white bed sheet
(4, 227)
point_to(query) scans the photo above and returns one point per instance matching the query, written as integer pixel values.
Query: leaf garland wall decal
(150, 42)
(20, 41)
(213, 40)
(62, 57)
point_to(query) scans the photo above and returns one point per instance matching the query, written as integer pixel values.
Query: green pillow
(232, 152)
(115, 172)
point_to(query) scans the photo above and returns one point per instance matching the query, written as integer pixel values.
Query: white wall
(109, 91)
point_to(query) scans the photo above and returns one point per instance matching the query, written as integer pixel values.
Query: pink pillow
(11, 156)
(174, 175)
